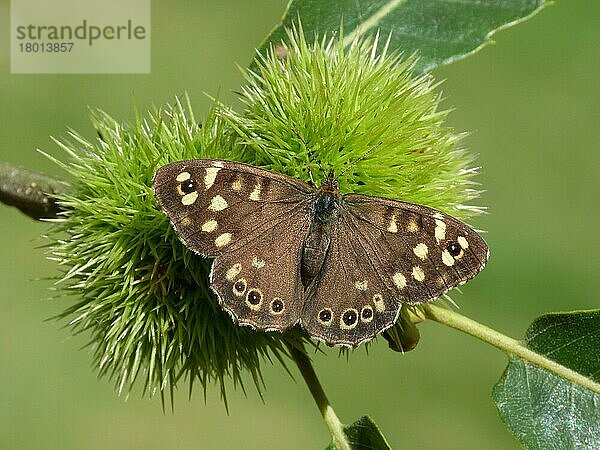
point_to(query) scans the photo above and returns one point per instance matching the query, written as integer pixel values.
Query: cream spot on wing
(440, 230)
(223, 239)
(379, 303)
(258, 263)
(447, 258)
(237, 185)
(418, 273)
(361, 285)
(218, 164)
(217, 203)
(255, 194)
(439, 281)
(421, 250)
(463, 242)
(183, 176)
(189, 199)
(412, 226)
(185, 222)
(438, 216)
(209, 226)
(393, 226)
(233, 271)
(399, 280)
(210, 177)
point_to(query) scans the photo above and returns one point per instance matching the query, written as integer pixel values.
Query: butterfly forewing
(219, 206)
(253, 222)
(446, 250)
(384, 253)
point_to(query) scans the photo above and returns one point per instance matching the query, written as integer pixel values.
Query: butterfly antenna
(354, 163)
(310, 154)
(300, 137)
(310, 175)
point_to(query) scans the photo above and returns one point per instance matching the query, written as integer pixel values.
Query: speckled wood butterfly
(286, 253)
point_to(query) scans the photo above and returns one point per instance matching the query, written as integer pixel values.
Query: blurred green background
(532, 102)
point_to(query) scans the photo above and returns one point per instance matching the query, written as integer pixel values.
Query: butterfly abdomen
(314, 251)
(318, 238)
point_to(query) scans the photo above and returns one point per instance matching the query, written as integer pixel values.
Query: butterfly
(287, 253)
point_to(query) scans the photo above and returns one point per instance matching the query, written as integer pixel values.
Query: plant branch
(506, 344)
(30, 192)
(335, 426)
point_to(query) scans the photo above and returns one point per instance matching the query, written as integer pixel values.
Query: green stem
(506, 344)
(335, 426)
(30, 192)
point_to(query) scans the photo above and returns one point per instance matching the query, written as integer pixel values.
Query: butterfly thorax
(325, 213)
(327, 200)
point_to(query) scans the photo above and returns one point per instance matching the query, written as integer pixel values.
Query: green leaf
(571, 339)
(543, 409)
(363, 434)
(441, 31)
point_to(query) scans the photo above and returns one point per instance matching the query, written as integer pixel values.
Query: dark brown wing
(259, 284)
(253, 222)
(219, 206)
(384, 253)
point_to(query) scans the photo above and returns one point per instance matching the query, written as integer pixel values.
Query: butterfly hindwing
(259, 284)
(348, 302)
(384, 253)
